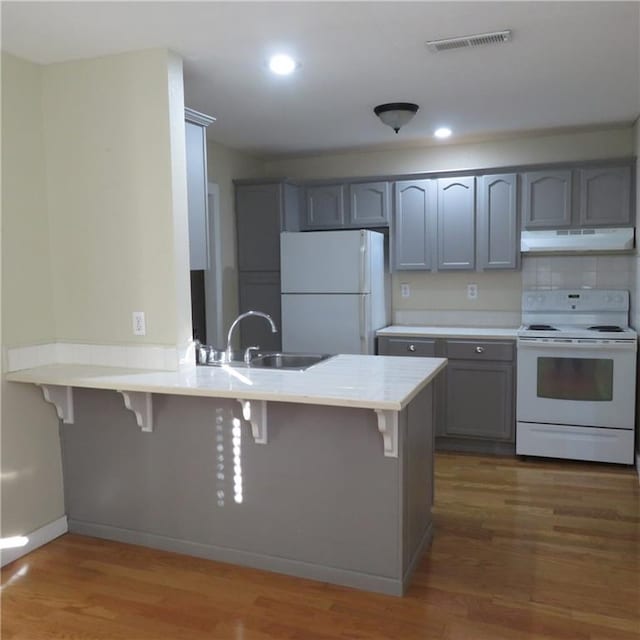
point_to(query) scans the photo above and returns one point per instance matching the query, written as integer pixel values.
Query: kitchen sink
(298, 361)
(271, 360)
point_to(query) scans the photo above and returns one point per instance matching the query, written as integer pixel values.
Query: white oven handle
(604, 346)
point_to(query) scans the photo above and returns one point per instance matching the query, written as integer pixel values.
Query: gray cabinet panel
(406, 347)
(498, 246)
(605, 196)
(480, 400)
(456, 223)
(546, 199)
(480, 350)
(259, 223)
(260, 292)
(369, 204)
(325, 207)
(414, 224)
(196, 156)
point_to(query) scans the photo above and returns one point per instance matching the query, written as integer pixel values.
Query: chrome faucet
(228, 351)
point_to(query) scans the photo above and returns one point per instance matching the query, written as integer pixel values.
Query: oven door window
(589, 379)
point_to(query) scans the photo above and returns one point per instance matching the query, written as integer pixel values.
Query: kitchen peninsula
(325, 473)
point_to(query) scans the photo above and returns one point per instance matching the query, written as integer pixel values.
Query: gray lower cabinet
(479, 396)
(474, 399)
(261, 292)
(605, 196)
(546, 199)
(456, 223)
(497, 222)
(325, 207)
(196, 157)
(414, 227)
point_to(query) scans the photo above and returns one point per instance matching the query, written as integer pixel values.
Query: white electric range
(576, 376)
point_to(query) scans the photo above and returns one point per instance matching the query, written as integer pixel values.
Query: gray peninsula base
(320, 500)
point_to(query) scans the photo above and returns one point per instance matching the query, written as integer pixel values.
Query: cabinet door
(480, 400)
(196, 154)
(260, 292)
(456, 223)
(498, 222)
(546, 199)
(369, 204)
(605, 196)
(258, 224)
(414, 225)
(325, 207)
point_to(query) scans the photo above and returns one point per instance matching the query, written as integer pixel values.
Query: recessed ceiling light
(282, 64)
(442, 132)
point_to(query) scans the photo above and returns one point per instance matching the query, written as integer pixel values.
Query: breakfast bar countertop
(372, 382)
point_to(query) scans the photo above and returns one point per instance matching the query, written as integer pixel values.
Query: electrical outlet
(405, 290)
(139, 324)
(472, 291)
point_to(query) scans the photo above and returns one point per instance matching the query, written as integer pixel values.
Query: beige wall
(117, 197)
(452, 157)
(225, 165)
(31, 480)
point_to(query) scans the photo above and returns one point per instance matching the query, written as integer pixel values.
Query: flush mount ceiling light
(282, 64)
(442, 132)
(396, 114)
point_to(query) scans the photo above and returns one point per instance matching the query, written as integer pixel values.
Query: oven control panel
(580, 300)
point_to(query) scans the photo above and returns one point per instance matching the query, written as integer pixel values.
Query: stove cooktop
(613, 332)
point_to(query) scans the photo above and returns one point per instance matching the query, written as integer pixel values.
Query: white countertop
(371, 382)
(497, 333)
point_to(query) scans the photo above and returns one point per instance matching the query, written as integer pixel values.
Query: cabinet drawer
(479, 350)
(406, 347)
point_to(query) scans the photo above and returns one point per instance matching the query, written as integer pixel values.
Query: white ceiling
(569, 64)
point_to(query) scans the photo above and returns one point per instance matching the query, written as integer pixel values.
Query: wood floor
(523, 549)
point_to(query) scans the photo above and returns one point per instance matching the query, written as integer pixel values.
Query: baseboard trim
(36, 538)
(334, 575)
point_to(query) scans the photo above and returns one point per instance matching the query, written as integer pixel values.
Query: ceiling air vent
(464, 42)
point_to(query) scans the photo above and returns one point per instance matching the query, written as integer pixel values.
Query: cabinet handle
(479, 349)
(411, 347)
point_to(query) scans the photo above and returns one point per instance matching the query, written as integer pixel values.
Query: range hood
(576, 240)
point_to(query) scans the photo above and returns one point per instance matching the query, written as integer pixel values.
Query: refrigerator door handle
(363, 323)
(363, 259)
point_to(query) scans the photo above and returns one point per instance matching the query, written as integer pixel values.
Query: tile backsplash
(575, 272)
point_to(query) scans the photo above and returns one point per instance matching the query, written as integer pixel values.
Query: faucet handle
(247, 353)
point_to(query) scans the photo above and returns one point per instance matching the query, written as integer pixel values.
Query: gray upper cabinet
(325, 206)
(605, 196)
(414, 224)
(546, 201)
(369, 204)
(456, 223)
(196, 155)
(497, 222)
(263, 210)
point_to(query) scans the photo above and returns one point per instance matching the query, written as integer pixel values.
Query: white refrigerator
(334, 294)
